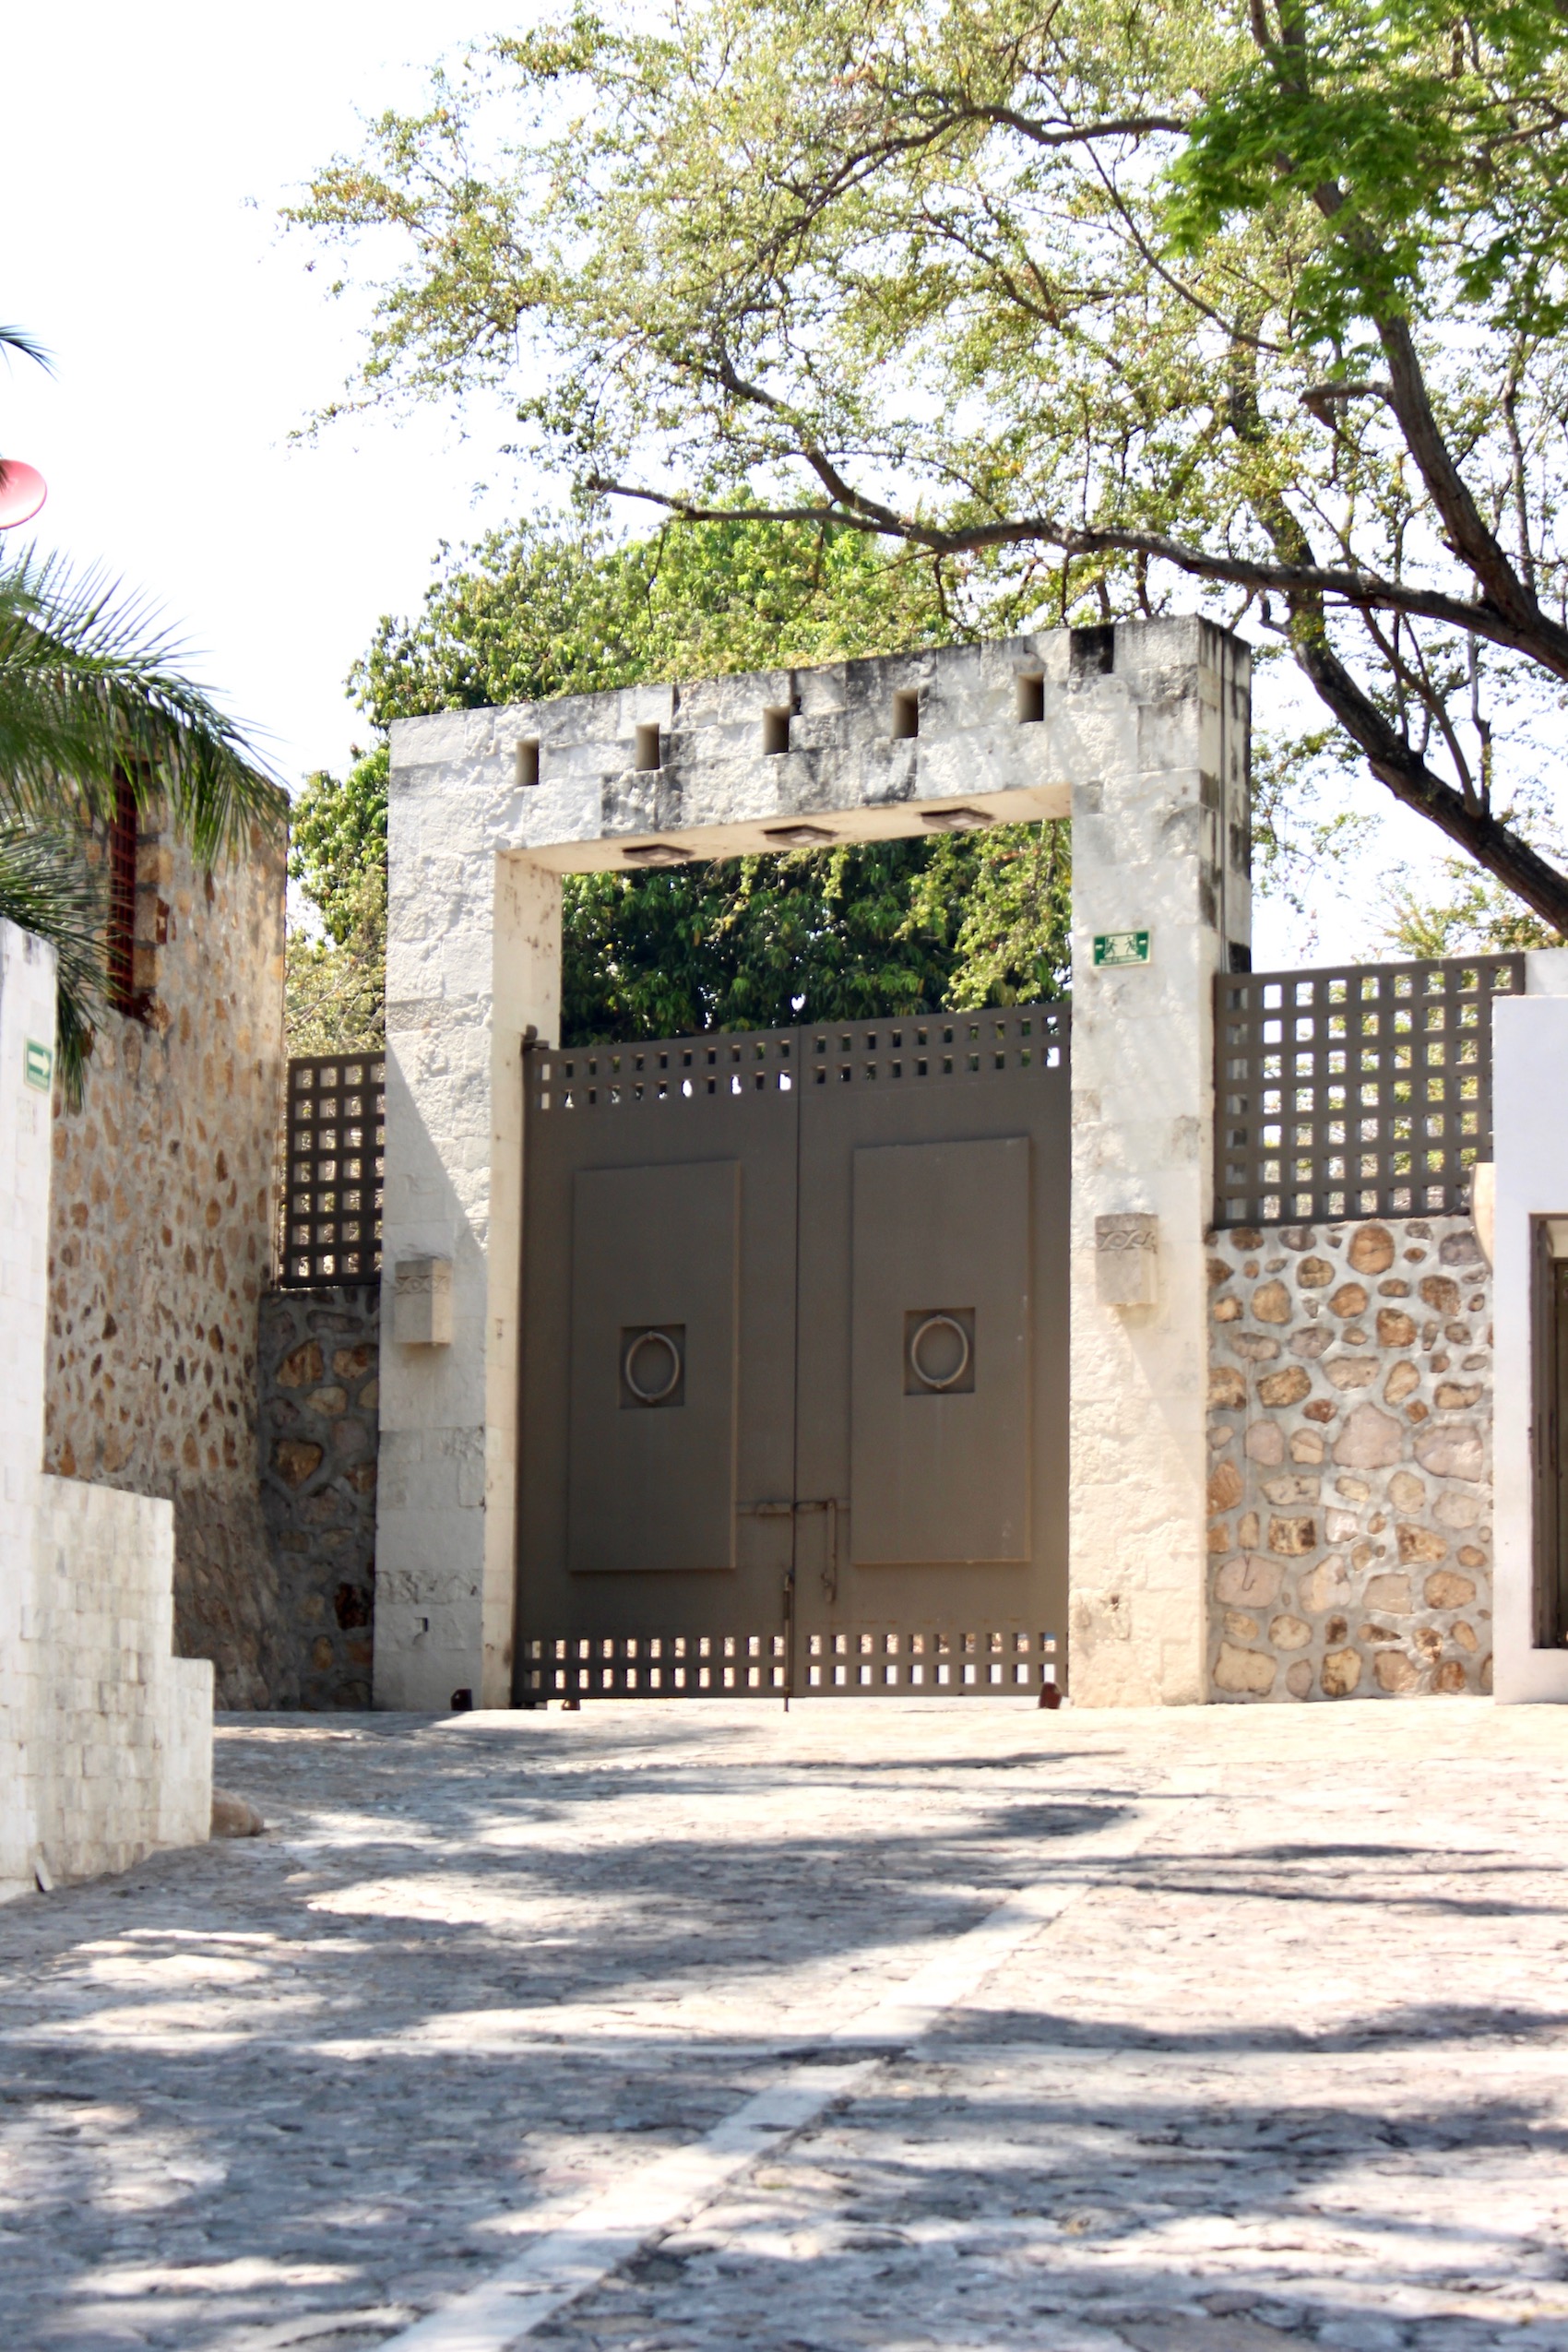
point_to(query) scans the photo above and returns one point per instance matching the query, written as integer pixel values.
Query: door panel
(942, 1316)
(660, 1198)
(654, 1367)
(967, 1115)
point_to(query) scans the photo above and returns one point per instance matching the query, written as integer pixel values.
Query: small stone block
(421, 1303)
(1127, 1259)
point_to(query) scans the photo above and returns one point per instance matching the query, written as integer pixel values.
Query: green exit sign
(39, 1067)
(1111, 947)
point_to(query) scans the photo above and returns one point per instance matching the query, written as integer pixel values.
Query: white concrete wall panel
(27, 1010)
(1530, 1154)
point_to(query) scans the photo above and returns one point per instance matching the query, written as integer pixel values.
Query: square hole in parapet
(939, 1352)
(653, 1366)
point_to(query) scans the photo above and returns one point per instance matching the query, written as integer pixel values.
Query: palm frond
(47, 888)
(16, 339)
(90, 689)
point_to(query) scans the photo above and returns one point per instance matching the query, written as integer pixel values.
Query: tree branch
(1318, 400)
(1471, 540)
(848, 509)
(1467, 824)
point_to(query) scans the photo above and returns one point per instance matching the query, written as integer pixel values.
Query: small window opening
(775, 730)
(528, 761)
(122, 938)
(905, 716)
(649, 751)
(1031, 698)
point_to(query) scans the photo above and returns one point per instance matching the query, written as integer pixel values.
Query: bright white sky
(145, 155)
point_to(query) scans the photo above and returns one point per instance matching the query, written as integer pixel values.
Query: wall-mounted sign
(39, 1066)
(1121, 947)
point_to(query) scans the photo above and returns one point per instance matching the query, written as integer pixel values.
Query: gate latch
(830, 1573)
(830, 1504)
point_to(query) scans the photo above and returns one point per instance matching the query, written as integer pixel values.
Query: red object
(22, 492)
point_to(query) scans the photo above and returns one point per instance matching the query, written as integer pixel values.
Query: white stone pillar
(473, 963)
(1160, 844)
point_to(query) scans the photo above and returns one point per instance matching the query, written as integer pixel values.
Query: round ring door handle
(940, 1323)
(651, 1339)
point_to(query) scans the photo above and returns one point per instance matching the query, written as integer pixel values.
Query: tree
(338, 831)
(851, 933)
(334, 986)
(92, 697)
(540, 610)
(1265, 305)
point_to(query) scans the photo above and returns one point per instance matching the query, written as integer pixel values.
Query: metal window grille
(1365, 1092)
(334, 1144)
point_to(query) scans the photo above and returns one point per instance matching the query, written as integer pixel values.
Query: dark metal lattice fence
(1364, 1092)
(335, 1147)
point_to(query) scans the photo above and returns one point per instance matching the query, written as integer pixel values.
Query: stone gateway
(1140, 735)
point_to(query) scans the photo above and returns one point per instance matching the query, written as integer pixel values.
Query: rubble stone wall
(320, 1390)
(1351, 1461)
(161, 1240)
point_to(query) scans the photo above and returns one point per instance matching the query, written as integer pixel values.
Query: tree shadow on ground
(337, 2054)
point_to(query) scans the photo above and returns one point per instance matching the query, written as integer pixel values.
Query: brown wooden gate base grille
(737, 1666)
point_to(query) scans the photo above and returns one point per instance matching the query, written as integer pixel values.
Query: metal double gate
(794, 1374)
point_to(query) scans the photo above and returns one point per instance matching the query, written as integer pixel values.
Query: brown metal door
(794, 1364)
(931, 1381)
(655, 1521)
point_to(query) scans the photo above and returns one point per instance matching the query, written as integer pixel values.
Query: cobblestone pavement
(1290, 2065)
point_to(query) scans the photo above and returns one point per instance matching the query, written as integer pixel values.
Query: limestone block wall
(160, 1247)
(118, 1752)
(105, 1738)
(1350, 1433)
(319, 1372)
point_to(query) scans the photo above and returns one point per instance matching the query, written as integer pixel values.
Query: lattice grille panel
(1365, 1092)
(880, 1663)
(945, 1045)
(608, 1078)
(334, 1144)
(927, 1046)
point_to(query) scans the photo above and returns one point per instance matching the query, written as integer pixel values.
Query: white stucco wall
(1530, 1156)
(1143, 741)
(105, 1737)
